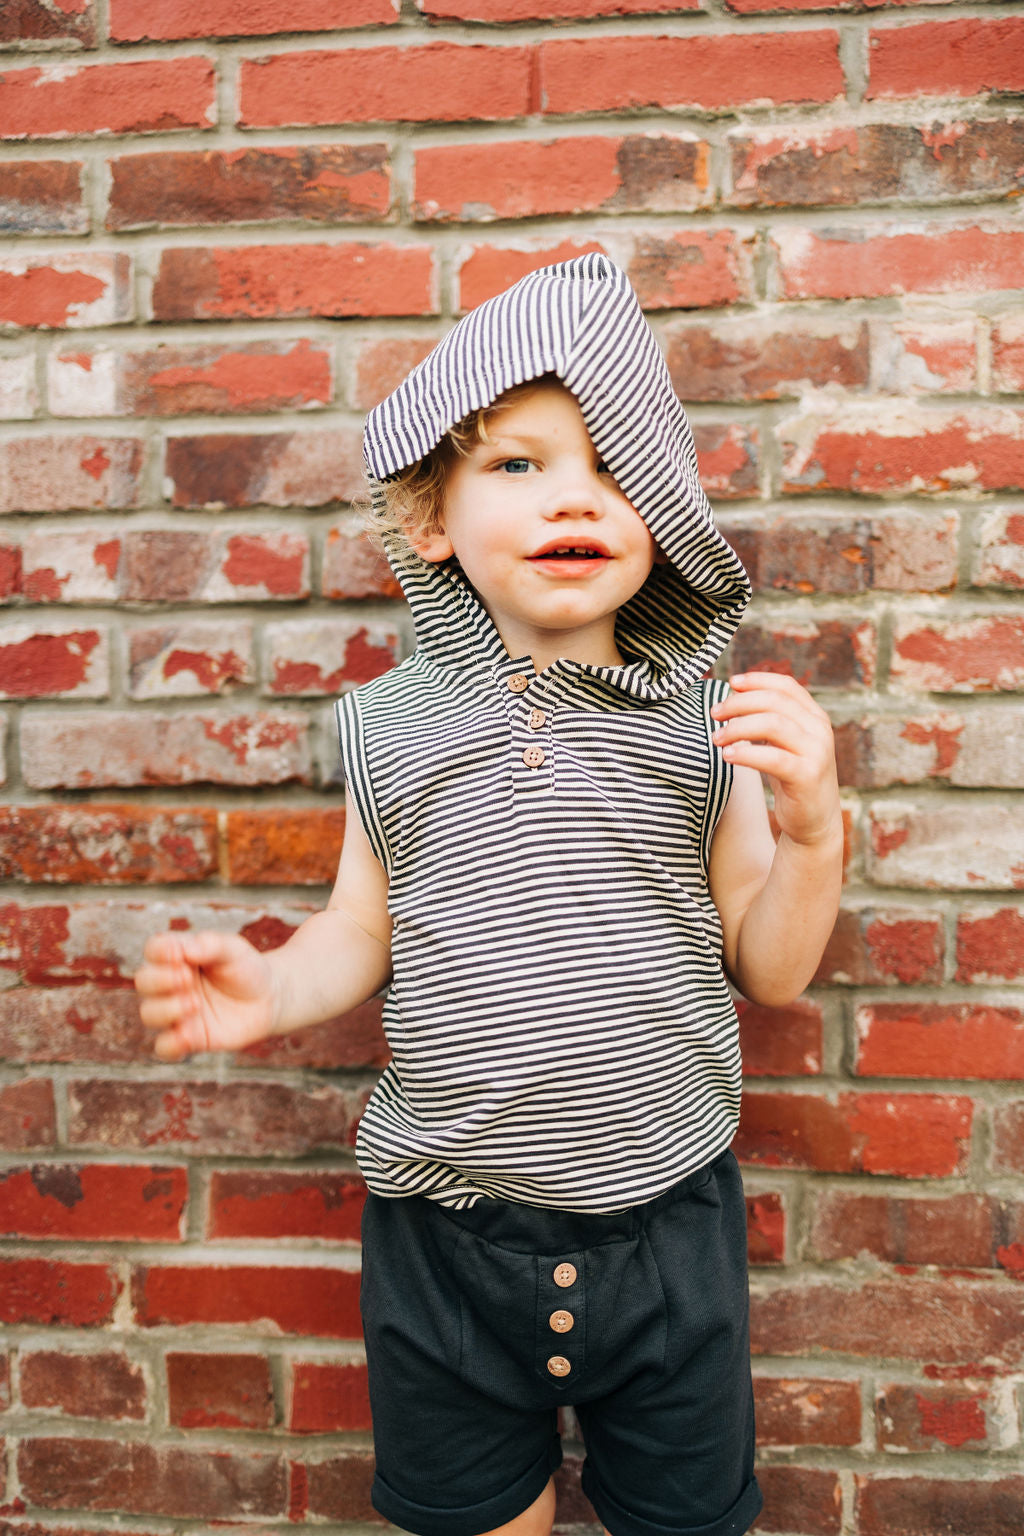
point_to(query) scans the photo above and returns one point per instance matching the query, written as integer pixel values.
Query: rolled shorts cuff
(620, 1522)
(473, 1519)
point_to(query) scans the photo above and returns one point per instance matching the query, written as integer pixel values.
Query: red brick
(1008, 353)
(875, 162)
(309, 658)
(906, 550)
(219, 1391)
(380, 363)
(322, 184)
(966, 57)
(802, 1499)
(999, 560)
(924, 1040)
(19, 397)
(873, 946)
(695, 269)
(249, 1118)
(70, 567)
(77, 749)
(759, 359)
(100, 1203)
(103, 1385)
(57, 1293)
(735, 69)
(28, 1116)
(918, 357)
(438, 82)
(476, 183)
(134, 21)
(766, 1229)
(960, 656)
(190, 659)
(990, 945)
(284, 845)
(77, 1024)
(488, 270)
(172, 1481)
(328, 1397)
(354, 568)
(945, 1321)
(257, 1204)
(277, 469)
(914, 450)
(945, 847)
(1008, 1138)
(976, 748)
(141, 96)
(495, 11)
(65, 291)
(955, 1230)
(42, 197)
(70, 474)
(354, 1039)
(261, 282)
(178, 381)
(106, 844)
(780, 1042)
(904, 1135)
(831, 653)
(176, 565)
(728, 458)
(339, 1489)
(806, 1410)
(931, 1506)
(874, 262)
(39, 21)
(308, 1300)
(934, 1418)
(39, 662)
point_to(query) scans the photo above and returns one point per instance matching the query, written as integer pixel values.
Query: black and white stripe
(561, 1030)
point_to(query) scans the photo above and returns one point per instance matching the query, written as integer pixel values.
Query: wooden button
(517, 683)
(561, 1322)
(537, 719)
(533, 757)
(565, 1274)
(558, 1365)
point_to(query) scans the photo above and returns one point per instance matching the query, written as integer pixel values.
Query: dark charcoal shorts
(481, 1323)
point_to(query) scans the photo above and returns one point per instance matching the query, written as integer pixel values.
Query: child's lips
(571, 555)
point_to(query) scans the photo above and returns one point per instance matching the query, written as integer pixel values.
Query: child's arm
(214, 992)
(778, 902)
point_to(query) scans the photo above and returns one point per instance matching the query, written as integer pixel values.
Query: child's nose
(576, 491)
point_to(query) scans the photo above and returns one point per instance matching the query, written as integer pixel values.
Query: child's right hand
(204, 992)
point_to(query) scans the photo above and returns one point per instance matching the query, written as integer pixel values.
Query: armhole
(358, 784)
(720, 772)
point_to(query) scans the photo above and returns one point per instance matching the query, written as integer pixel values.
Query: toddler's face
(542, 531)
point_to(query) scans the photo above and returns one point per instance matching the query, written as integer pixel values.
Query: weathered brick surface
(229, 230)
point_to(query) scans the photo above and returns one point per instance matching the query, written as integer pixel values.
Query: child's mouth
(572, 552)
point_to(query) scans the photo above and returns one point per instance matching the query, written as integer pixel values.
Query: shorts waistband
(535, 1228)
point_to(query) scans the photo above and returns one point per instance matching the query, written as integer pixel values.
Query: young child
(557, 850)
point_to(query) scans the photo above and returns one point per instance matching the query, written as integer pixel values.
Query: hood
(580, 321)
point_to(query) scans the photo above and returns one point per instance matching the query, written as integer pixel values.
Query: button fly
(558, 1365)
(564, 1275)
(561, 1322)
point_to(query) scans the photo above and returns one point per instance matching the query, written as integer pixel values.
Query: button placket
(532, 749)
(561, 1313)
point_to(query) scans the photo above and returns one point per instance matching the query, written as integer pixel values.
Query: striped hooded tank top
(561, 1030)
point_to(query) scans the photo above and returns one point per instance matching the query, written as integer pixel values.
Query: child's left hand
(770, 723)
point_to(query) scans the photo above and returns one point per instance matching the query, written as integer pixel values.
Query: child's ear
(432, 545)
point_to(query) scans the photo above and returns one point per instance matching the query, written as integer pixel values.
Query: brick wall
(231, 226)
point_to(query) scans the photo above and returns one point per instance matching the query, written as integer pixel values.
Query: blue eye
(516, 466)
